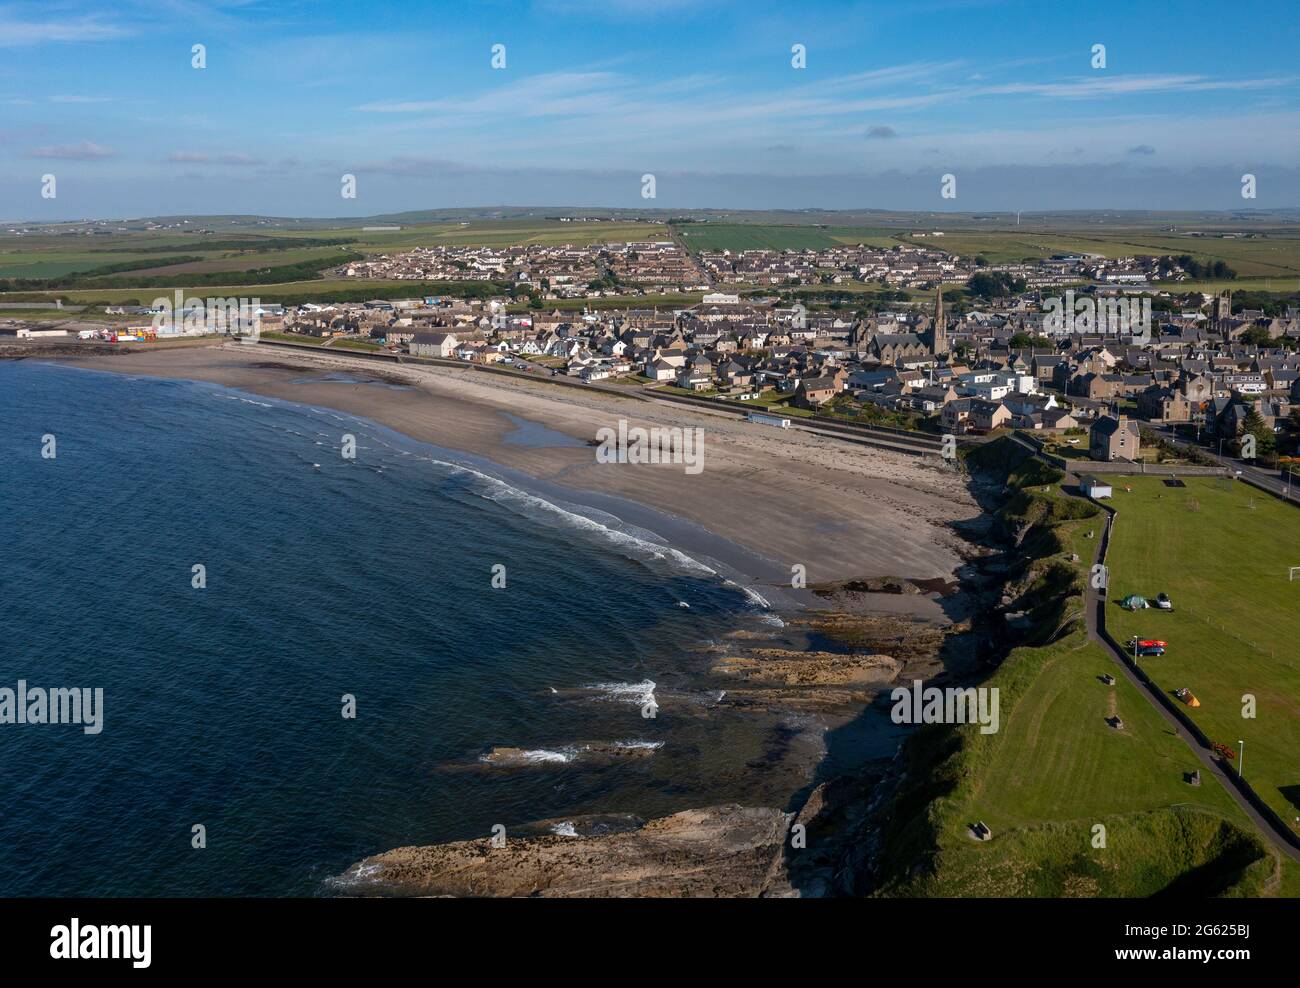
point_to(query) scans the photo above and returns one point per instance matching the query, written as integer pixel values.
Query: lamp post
(1241, 757)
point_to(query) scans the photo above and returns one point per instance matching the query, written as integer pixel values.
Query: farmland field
(53, 256)
(56, 263)
(755, 236)
(1222, 557)
(1262, 257)
(1267, 262)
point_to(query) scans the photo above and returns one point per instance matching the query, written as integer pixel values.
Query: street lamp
(1241, 756)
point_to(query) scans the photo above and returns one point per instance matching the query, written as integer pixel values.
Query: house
(1094, 488)
(1112, 438)
(955, 415)
(1161, 404)
(661, 370)
(813, 392)
(988, 415)
(433, 344)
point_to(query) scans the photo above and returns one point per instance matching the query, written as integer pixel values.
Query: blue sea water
(325, 576)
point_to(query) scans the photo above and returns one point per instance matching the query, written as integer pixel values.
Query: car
(1147, 650)
(1147, 642)
(1163, 602)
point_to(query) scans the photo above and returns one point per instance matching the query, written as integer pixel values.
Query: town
(1219, 372)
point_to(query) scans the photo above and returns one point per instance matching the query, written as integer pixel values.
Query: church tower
(939, 332)
(1223, 305)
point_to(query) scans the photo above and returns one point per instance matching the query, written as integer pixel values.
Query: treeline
(260, 243)
(1204, 270)
(414, 289)
(994, 284)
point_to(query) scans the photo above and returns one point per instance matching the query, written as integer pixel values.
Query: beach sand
(841, 510)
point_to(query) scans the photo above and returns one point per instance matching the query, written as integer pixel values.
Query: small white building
(1092, 487)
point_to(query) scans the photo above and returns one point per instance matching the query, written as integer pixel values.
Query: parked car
(1146, 650)
(1163, 602)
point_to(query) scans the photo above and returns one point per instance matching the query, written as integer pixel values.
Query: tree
(994, 284)
(1265, 439)
(1257, 336)
(1023, 341)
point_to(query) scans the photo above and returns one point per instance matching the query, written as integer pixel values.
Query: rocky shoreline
(729, 850)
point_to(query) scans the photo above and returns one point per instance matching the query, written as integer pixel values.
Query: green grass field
(757, 236)
(53, 256)
(1235, 629)
(1056, 769)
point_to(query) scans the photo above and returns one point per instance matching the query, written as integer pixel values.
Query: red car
(1147, 643)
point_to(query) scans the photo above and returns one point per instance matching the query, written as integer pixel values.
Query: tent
(1133, 602)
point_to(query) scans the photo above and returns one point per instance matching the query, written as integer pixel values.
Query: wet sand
(840, 510)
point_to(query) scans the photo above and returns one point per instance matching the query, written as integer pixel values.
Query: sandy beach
(787, 497)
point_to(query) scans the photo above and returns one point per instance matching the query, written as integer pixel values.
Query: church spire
(939, 333)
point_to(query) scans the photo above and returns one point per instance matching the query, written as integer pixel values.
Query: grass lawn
(1056, 769)
(1235, 629)
(293, 338)
(355, 345)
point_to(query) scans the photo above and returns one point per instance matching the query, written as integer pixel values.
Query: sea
(307, 657)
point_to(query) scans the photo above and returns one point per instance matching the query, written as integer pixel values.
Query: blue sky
(596, 93)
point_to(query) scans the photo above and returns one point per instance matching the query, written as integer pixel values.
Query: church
(928, 345)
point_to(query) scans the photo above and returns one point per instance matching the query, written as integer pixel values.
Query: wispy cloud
(1085, 87)
(17, 31)
(85, 151)
(208, 158)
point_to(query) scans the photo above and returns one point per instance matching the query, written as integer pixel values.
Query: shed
(1094, 488)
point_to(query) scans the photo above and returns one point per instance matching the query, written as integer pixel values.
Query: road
(1096, 616)
(1273, 481)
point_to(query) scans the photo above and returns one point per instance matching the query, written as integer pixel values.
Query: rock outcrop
(717, 851)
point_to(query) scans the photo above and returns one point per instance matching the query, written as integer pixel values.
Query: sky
(1010, 98)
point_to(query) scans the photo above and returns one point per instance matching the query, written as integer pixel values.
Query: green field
(1275, 256)
(52, 256)
(1267, 263)
(1235, 629)
(1056, 769)
(756, 236)
(54, 263)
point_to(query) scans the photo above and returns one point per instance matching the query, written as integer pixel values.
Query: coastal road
(1095, 605)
